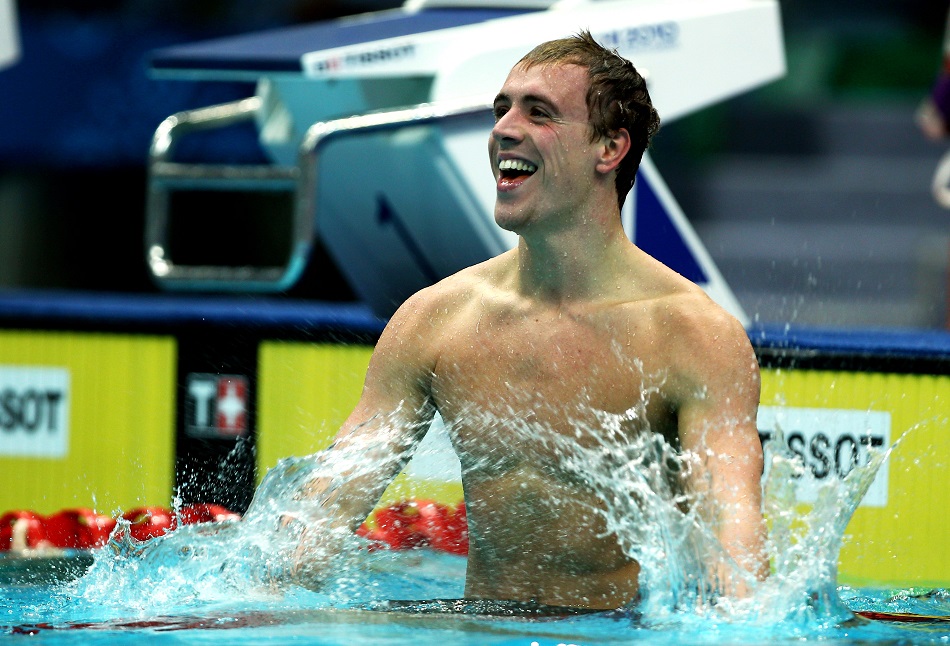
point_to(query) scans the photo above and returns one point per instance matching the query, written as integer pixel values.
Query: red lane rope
(906, 617)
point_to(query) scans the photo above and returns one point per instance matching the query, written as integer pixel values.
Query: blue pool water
(224, 582)
(56, 613)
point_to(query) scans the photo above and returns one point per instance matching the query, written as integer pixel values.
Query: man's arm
(371, 448)
(717, 429)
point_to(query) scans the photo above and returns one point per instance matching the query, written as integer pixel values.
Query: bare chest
(549, 376)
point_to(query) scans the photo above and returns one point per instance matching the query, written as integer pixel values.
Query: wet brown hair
(617, 97)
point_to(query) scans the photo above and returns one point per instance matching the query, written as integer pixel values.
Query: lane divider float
(410, 524)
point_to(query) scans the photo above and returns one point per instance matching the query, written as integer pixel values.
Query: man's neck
(577, 264)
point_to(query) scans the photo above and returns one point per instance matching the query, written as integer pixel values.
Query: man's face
(540, 148)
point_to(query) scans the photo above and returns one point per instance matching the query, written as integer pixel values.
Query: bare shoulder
(408, 349)
(423, 317)
(706, 345)
(693, 315)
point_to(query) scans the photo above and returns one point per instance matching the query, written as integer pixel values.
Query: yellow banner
(898, 536)
(87, 419)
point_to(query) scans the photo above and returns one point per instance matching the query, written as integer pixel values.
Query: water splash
(252, 558)
(636, 477)
(658, 522)
(806, 546)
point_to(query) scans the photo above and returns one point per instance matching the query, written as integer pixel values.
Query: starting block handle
(322, 132)
(165, 175)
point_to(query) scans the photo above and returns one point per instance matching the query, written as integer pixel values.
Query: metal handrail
(302, 179)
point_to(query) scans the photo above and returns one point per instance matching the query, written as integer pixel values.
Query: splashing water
(634, 476)
(659, 524)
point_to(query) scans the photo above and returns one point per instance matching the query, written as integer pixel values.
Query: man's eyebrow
(537, 98)
(528, 98)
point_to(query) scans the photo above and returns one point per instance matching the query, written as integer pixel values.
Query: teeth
(516, 164)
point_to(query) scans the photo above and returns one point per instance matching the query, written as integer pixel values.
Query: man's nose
(507, 127)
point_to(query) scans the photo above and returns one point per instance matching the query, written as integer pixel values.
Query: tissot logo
(829, 444)
(34, 411)
(216, 405)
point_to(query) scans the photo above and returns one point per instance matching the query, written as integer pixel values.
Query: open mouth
(513, 169)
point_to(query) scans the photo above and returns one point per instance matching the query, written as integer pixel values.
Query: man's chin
(509, 220)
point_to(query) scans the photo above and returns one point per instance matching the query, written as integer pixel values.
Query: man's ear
(615, 148)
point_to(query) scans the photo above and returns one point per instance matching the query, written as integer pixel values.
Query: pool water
(226, 582)
(59, 613)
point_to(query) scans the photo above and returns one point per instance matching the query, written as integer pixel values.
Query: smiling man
(529, 355)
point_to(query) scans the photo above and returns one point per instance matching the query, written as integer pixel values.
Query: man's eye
(500, 111)
(537, 113)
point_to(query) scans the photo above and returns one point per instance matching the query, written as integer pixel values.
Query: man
(527, 354)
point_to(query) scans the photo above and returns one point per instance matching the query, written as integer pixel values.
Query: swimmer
(575, 318)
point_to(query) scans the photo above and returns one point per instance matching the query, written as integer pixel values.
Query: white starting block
(9, 34)
(379, 125)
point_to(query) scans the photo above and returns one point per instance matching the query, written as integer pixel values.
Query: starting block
(378, 124)
(9, 34)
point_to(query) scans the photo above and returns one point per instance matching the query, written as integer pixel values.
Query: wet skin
(517, 353)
